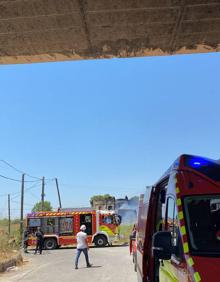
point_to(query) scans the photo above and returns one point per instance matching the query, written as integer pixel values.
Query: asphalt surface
(108, 264)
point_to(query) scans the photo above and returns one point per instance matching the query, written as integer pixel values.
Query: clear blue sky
(105, 126)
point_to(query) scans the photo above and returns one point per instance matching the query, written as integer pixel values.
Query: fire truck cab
(60, 228)
(178, 231)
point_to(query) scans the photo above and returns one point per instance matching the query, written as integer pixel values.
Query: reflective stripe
(183, 230)
(178, 202)
(180, 215)
(185, 247)
(175, 180)
(197, 277)
(190, 262)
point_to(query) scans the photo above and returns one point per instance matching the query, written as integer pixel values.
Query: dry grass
(9, 245)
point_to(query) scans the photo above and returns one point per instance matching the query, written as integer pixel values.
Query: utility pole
(58, 192)
(42, 194)
(9, 216)
(22, 205)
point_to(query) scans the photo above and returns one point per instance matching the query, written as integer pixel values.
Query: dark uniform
(40, 241)
(25, 240)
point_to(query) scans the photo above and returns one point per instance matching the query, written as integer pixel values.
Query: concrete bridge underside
(56, 30)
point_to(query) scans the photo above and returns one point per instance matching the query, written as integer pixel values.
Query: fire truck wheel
(100, 241)
(50, 244)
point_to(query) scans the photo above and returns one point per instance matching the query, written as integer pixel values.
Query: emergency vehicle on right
(178, 230)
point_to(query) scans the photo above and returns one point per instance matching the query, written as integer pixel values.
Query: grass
(9, 244)
(125, 232)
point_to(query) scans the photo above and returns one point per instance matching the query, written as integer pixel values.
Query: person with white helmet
(82, 246)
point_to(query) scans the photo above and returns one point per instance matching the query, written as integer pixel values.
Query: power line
(9, 178)
(16, 180)
(23, 172)
(16, 202)
(4, 195)
(32, 186)
(18, 170)
(15, 209)
(25, 190)
(33, 195)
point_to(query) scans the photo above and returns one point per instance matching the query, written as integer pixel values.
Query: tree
(101, 198)
(47, 206)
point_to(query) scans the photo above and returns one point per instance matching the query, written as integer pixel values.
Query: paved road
(109, 264)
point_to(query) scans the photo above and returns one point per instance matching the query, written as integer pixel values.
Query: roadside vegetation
(38, 207)
(9, 244)
(125, 232)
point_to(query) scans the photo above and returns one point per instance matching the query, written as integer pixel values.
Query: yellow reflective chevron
(190, 262)
(183, 230)
(180, 215)
(178, 202)
(197, 277)
(106, 229)
(186, 248)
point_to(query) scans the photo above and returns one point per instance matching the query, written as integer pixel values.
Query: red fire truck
(178, 231)
(60, 228)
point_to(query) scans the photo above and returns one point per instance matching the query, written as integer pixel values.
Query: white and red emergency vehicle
(178, 230)
(60, 228)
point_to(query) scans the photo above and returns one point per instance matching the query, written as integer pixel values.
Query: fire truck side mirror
(162, 245)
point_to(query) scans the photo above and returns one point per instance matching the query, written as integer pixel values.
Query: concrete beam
(56, 30)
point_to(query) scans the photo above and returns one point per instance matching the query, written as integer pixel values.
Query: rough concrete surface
(109, 264)
(53, 30)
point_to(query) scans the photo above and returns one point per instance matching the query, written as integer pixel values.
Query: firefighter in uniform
(40, 240)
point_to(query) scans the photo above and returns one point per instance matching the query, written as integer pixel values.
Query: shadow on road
(93, 266)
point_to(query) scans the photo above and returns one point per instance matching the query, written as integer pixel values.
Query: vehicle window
(49, 225)
(203, 223)
(66, 226)
(107, 219)
(159, 215)
(171, 224)
(88, 218)
(34, 222)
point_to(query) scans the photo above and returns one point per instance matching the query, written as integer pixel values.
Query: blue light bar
(197, 162)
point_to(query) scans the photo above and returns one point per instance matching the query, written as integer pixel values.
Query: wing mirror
(162, 245)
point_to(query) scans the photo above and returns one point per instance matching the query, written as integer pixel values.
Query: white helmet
(83, 227)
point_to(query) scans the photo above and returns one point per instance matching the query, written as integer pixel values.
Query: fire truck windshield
(203, 224)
